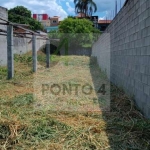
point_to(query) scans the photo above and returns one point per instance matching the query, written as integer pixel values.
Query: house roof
(19, 30)
(81, 15)
(54, 17)
(104, 21)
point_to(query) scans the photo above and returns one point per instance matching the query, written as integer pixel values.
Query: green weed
(3, 72)
(22, 100)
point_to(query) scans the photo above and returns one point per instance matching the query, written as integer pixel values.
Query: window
(54, 21)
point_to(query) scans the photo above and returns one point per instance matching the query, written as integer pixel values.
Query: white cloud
(102, 18)
(70, 9)
(9, 5)
(59, 7)
(51, 7)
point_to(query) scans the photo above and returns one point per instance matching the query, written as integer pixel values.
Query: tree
(70, 25)
(78, 31)
(87, 7)
(73, 17)
(22, 15)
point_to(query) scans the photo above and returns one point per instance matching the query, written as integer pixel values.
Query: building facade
(49, 23)
(103, 24)
(54, 21)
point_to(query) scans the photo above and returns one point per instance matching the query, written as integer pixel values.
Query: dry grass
(70, 72)
(24, 127)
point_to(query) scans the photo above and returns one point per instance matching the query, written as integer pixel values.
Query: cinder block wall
(101, 49)
(129, 43)
(3, 39)
(20, 46)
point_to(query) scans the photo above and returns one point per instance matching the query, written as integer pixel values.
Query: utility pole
(10, 55)
(48, 53)
(120, 4)
(116, 8)
(34, 53)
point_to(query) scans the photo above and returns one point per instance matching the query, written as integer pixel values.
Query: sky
(61, 8)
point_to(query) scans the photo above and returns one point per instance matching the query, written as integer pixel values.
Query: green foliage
(79, 32)
(45, 128)
(23, 58)
(54, 34)
(71, 25)
(22, 15)
(4, 131)
(27, 59)
(73, 17)
(3, 72)
(24, 12)
(41, 58)
(22, 100)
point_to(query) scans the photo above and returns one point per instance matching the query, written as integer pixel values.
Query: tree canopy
(70, 25)
(79, 32)
(22, 15)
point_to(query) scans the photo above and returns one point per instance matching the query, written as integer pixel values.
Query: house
(103, 24)
(49, 23)
(46, 20)
(40, 17)
(43, 18)
(54, 21)
(80, 15)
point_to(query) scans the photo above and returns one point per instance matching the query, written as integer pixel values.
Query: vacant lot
(56, 120)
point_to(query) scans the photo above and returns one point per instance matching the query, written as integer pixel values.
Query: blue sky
(61, 8)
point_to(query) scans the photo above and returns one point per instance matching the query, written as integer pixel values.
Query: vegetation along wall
(127, 40)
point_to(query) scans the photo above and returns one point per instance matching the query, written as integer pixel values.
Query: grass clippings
(23, 127)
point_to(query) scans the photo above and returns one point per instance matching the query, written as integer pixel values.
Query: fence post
(34, 53)
(48, 53)
(10, 55)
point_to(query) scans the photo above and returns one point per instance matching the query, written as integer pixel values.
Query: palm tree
(87, 7)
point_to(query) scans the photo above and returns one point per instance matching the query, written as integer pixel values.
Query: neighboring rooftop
(104, 21)
(80, 15)
(55, 17)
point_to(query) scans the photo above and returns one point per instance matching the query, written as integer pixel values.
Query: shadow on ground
(126, 128)
(23, 127)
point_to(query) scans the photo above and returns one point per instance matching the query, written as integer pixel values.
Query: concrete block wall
(101, 49)
(3, 39)
(24, 45)
(21, 45)
(129, 51)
